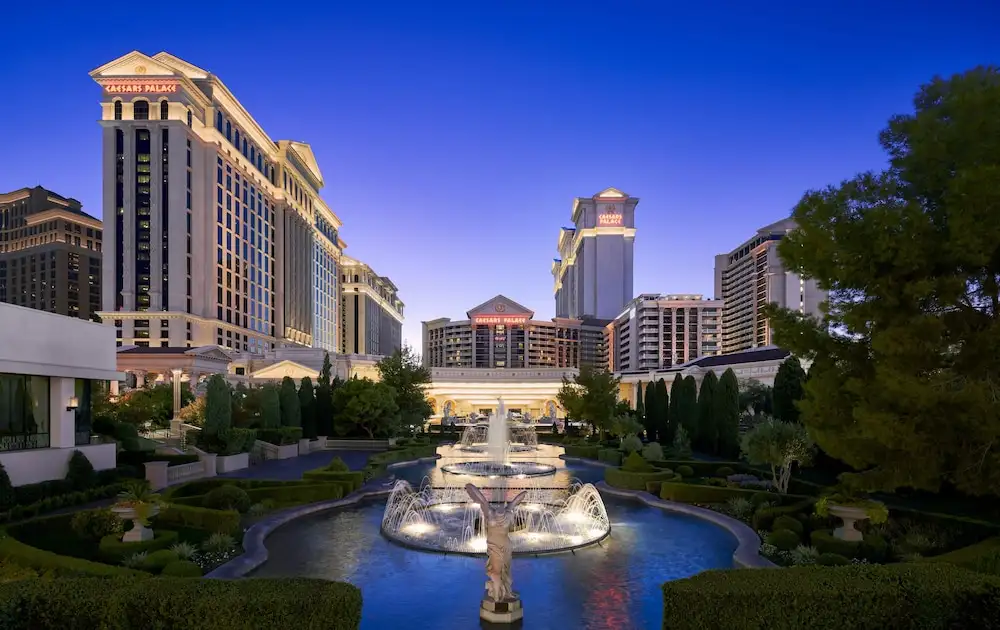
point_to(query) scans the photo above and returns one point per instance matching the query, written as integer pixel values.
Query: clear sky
(453, 136)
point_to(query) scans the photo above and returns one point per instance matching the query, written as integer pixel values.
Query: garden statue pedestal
(139, 532)
(508, 611)
(849, 516)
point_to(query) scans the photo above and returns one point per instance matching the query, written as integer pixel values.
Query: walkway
(292, 469)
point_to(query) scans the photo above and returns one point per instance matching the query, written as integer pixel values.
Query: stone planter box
(139, 532)
(304, 446)
(849, 516)
(229, 463)
(287, 451)
(320, 443)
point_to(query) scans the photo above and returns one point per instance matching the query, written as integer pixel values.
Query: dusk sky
(453, 137)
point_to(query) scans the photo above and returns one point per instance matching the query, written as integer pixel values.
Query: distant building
(752, 276)
(50, 254)
(656, 332)
(593, 273)
(371, 312)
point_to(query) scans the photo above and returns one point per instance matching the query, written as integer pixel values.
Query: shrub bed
(694, 493)
(581, 450)
(610, 456)
(114, 550)
(298, 493)
(833, 598)
(971, 556)
(181, 568)
(764, 518)
(619, 478)
(873, 548)
(180, 603)
(56, 501)
(700, 468)
(354, 479)
(54, 564)
(189, 516)
(280, 436)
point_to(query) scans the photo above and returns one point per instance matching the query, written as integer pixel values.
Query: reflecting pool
(613, 585)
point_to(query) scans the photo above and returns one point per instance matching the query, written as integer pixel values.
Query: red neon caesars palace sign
(508, 320)
(609, 219)
(140, 87)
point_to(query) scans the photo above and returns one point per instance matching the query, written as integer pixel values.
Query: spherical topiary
(783, 539)
(685, 471)
(653, 451)
(787, 522)
(227, 497)
(157, 560)
(724, 471)
(181, 568)
(832, 560)
(80, 472)
(632, 444)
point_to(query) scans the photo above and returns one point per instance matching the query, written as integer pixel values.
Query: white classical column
(140, 379)
(636, 392)
(175, 422)
(62, 419)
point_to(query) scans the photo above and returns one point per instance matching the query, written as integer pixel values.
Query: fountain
(497, 440)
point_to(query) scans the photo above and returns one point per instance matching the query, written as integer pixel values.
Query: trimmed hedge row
(833, 598)
(192, 517)
(182, 603)
(280, 436)
(694, 493)
(301, 493)
(139, 458)
(873, 548)
(609, 456)
(355, 478)
(969, 557)
(763, 519)
(57, 501)
(59, 566)
(700, 468)
(113, 550)
(582, 451)
(619, 478)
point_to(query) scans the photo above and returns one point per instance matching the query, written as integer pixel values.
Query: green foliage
(155, 561)
(352, 479)
(788, 390)
(218, 543)
(694, 493)
(913, 319)
(281, 436)
(675, 414)
(218, 406)
(582, 451)
(726, 412)
(337, 465)
(989, 563)
(592, 396)
(783, 539)
(8, 498)
(291, 412)
(322, 490)
(324, 410)
(632, 444)
(181, 568)
(15, 551)
(635, 463)
(724, 471)
(682, 443)
(832, 560)
(228, 497)
(177, 602)
(755, 397)
(326, 372)
(685, 471)
(707, 438)
(270, 407)
(80, 473)
(236, 440)
(307, 407)
(96, 524)
(114, 550)
(642, 401)
(198, 518)
(876, 510)
(664, 429)
(184, 550)
(763, 519)
(361, 404)
(787, 522)
(403, 372)
(624, 425)
(779, 445)
(760, 498)
(970, 556)
(611, 456)
(652, 451)
(634, 479)
(873, 548)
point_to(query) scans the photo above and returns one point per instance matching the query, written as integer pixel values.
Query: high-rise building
(593, 273)
(371, 312)
(216, 233)
(50, 253)
(656, 332)
(500, 333)
(752, 276)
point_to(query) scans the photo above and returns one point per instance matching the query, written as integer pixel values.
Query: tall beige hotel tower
(214, 234)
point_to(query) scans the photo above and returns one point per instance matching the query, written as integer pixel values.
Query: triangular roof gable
(281, 369)
(209, 352)
(305, 155)
(612, 193)
(189, 70)
(133, 64)
(500, 305)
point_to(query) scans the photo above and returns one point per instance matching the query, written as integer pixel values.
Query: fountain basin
(499, 469)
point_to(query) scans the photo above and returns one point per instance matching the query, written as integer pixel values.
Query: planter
(287, 451)
(304, 446)
(321, 443)
(229, 463)
(849, 515)
(139, 532)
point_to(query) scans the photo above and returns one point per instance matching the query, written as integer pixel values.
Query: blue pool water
(615, 585)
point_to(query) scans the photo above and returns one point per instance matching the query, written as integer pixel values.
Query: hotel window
(164, 110)
(190, 118)
(229, 131)
(24, 412)
(218, 121)
(140, 110)
(118, 110)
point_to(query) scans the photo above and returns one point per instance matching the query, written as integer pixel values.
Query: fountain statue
(500, 596)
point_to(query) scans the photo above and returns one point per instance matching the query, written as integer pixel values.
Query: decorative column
(175, 422)
(140, 379)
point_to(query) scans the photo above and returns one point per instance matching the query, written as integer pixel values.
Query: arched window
(164, 110)
(140, 110)
(229, 131)
(218, 121)
(236, 138)
(356, 279)
(118, 110)
(253, 155)
(244, 147)
(190, 118)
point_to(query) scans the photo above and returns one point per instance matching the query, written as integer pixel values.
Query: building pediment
(134, 64)
(500, 306)
(281, 369)
(305, 155)
(210, 352)
(611, 193)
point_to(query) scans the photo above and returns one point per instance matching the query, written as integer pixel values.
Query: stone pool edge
(747, 553)
(255, 551)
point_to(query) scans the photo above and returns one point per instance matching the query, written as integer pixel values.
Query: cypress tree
(727, 414)
(708, 432)
(326, 372)
(663, 432)
(291, 414)
(270, 407)
(649, 420)
(674, 412)
(307, 408)
(688, 407)
(324, 410)
(788, 390)
(218, 406)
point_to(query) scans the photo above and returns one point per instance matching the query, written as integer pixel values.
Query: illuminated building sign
(508, 320)
(141, 87)
(609, 219)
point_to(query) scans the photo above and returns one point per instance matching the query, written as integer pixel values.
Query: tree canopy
(661, 420)
(905, 382)
(591, 396)
(307, 408)
(726, 412)
(788, 389)
(366, 405)
(403, 372)
(291, 412)
(708, 434)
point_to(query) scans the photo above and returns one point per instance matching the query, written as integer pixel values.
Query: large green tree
(218, 406)
(662, 419)
(640, 409)
(905, 382)
(270, 407)
(326, 372)
(726, 414)
(291, 412)
(404, 373)
(755, 397)
(649, 411)
(788, 390)
(591, 396)
(365, 406)
(307, 408)
(707, 439)
(673, 411)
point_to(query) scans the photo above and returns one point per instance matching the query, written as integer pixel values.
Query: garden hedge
(968, 557)
(695, 493)
(619, 478)
(114, 550)
(873, 548)
(833, 598)
(299, 493)
(280, 436)
(226, 522)
(764, 519)
(582, 451)
(180, 603)
(700, 468)
(609, 456)
(354, 478)
(54, 564)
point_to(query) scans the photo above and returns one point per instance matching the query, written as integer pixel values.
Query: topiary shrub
(652, 452)
(228, 497)
(95, 524)
(724, 471)
(8, 498)
(181, 568)
(337, 465)
(157, 560)
(832, 560)
(113, 549)
(631, 444)
(684, 471)
(783, 539)
(788, 522)
(80, 473)
(635, 463)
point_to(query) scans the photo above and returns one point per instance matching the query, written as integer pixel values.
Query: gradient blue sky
(453, 137)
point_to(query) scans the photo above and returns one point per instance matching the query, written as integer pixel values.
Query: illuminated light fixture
(73, 404)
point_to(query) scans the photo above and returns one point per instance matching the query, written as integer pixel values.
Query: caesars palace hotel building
(214, 234)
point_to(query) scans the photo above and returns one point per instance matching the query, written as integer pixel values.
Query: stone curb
(747, 553)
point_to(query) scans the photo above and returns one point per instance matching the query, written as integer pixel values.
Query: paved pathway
(292, 469)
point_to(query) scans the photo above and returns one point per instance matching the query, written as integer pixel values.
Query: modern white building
(48, 364)
(593, 273)
(371, 311)
(656, 332)
(752, 276)
(214, 233)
